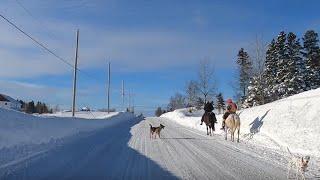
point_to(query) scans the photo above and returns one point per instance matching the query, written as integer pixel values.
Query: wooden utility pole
(129, 102)
(109, 77)
(75, 77)
(122, 93)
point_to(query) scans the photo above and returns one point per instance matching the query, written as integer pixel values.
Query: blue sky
(154, 46)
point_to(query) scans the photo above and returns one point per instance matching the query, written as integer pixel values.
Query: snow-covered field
(293, 122)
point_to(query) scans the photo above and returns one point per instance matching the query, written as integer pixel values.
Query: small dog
(298, 164)
(155, 130)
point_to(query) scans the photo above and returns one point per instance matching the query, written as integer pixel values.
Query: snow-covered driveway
(125, 151)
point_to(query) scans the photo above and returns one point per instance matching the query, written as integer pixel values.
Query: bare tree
(176, 102)
(258, 58)
(258, 55)
(206, 80)
(192, 93)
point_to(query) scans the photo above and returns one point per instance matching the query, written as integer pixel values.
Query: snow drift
(18, 129)
(292, 122)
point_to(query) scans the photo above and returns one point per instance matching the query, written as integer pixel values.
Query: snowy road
(124, 151)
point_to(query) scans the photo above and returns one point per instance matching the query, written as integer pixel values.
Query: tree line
(198, 91)
(284, 67)
(30, 107)
(290, 67)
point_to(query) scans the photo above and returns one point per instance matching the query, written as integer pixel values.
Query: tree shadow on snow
(104, 154)
(256, 125)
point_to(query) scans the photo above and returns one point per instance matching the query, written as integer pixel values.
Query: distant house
(85, 109)
(9, 103)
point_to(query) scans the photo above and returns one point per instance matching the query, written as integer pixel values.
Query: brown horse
(209, 118)
(232, 123)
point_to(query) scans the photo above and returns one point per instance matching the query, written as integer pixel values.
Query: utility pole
(75, 77)
(133, 103)
(122, 93)
(109, 77)
(129, 105)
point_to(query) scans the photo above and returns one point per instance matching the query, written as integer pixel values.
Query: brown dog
(155, 130)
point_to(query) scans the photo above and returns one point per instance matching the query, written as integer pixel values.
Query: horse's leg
(238, 134)
(210, 130)
(226, 132)
(232, 135)
(207, 131)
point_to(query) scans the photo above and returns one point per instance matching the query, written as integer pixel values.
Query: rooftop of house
(3, 98)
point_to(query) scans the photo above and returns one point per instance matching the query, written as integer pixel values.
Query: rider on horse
(208, 108)
(231, 108)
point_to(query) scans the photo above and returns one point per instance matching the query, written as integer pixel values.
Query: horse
(209, 118)
(232, 123)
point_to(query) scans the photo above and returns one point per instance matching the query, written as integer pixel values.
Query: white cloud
(146, 50)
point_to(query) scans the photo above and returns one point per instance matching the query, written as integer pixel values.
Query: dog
(155, 130)
(298, 164)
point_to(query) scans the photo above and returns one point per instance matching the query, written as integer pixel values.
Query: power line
(36, 41)
(36, 19)
(44, 47)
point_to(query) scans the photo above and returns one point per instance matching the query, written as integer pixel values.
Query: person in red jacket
(231, 108)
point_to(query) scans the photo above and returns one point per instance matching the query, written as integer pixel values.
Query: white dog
(298, 164)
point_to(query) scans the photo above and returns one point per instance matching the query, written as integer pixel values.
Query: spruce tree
(158, 112)
(294, 79)
(255, 92)
(220, 105)
(245, 68)
(30, 108)
(311, 54)
(279, 90)
(270, 71)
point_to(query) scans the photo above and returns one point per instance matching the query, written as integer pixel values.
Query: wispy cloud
(140, 50)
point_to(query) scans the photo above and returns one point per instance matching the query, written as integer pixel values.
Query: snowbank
(19, 129)
(292, 122)
(83, 114)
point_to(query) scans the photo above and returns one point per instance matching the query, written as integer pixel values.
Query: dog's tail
(150, 125)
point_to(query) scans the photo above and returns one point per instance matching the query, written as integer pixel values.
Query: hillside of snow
(293, 122)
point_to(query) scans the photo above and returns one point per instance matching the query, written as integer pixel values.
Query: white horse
(232, 123)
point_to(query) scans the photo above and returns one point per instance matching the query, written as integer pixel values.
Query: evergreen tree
(294, 79)
(220, 105)
(245, 67)
(45, 108)
(311, 54)
(282, 63)
(255, 92)
(270, 71)
(158, 112)
(38, 107)
(30, 108)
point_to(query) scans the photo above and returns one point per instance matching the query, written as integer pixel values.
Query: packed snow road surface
(125, 151)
